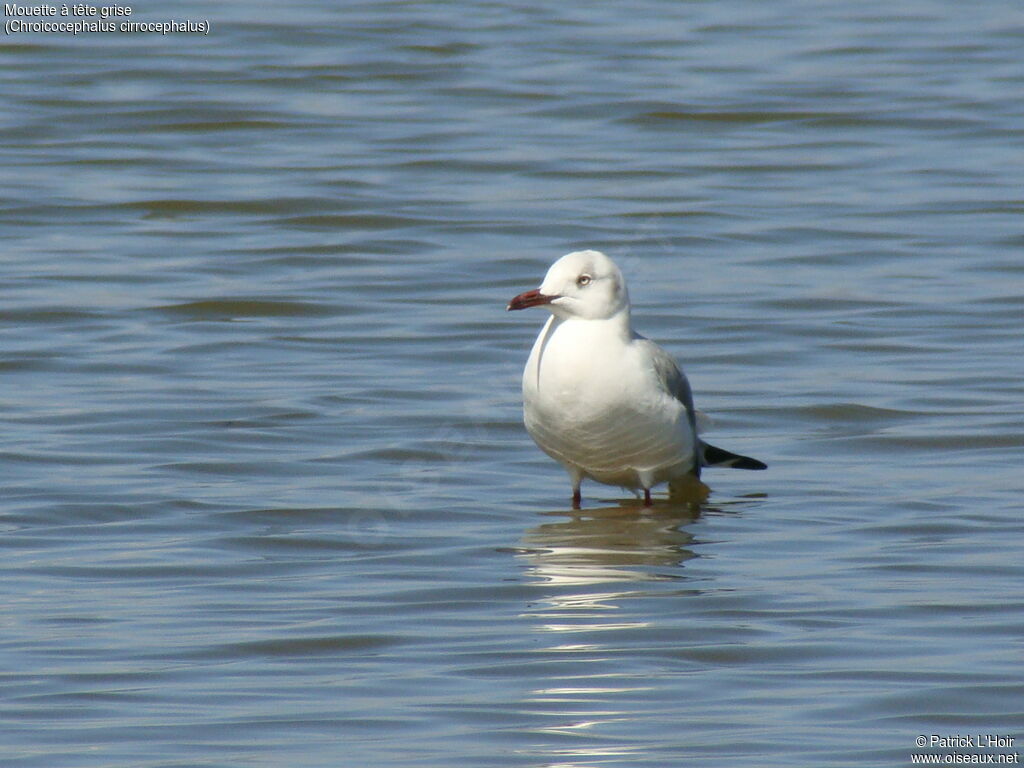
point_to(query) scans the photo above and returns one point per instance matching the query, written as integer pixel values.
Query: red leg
(577, 497)
(647, 498)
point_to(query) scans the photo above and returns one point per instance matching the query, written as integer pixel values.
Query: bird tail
(718, 457)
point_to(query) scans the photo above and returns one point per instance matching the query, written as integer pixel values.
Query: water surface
(265, 494)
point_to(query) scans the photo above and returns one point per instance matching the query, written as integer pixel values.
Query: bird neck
(615, 326)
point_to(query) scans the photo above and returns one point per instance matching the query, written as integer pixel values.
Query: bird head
(581, 284)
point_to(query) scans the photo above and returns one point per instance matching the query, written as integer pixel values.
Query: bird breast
(581, 405)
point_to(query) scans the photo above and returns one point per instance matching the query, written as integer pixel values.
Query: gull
(605, 402)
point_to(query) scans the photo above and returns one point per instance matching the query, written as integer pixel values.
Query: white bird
(599, 398)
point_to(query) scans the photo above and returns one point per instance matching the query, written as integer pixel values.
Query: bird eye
(583, 280)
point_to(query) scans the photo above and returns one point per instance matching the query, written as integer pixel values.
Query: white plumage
(605, 402)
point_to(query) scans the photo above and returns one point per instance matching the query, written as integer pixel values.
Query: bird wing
(674, 382)
(714, 456)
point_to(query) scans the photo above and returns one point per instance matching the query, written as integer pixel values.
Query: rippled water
(266, 496)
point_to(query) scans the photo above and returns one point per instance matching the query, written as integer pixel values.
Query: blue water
(265, 494)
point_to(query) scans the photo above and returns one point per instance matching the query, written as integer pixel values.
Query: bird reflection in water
(624, 543)
(597, 572)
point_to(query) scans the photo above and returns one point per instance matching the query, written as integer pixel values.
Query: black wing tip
(719, 457)
(745, 462)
